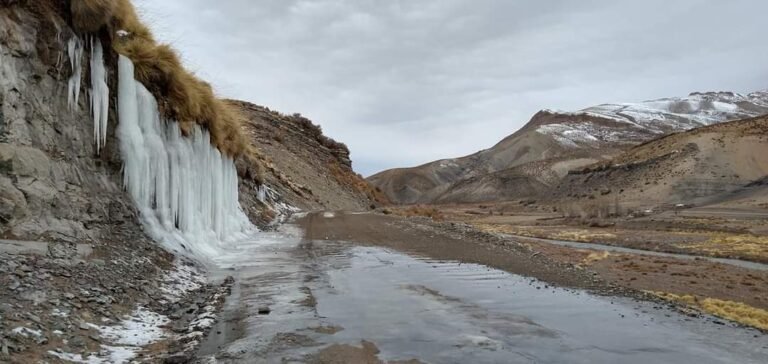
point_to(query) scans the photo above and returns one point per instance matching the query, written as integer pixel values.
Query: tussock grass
(90, 15)
(181, 95)
(424, 211)
(745, 246)
(730, 310)
(356, 182)
(596, 257)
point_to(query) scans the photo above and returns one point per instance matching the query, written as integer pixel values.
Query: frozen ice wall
(99, 94)
(185, 189)
(75, 53)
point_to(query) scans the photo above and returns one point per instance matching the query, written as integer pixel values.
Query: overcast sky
(404, 82)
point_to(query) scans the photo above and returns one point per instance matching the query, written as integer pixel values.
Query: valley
(147, 218)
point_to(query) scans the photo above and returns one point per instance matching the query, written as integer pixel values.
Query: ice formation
(184, 188)
(75, 52)
(99, 94)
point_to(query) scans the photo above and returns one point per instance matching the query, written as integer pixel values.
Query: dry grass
(90, 15)
(596, 257)
(423, 211)
(181, 95)
(358, 183)
(583, 236)
(739, 245)
(730, 310)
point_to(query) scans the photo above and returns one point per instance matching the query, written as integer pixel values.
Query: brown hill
(553, 142)
(684, 168)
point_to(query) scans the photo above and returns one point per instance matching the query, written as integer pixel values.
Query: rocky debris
(193, 318)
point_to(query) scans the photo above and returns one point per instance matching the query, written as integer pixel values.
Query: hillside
(713, 162)
(304, 167)
(554, 142)
(113, 191)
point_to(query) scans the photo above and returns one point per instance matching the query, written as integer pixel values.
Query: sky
(405, 82)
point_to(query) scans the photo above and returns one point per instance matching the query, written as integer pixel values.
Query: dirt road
(369, 288)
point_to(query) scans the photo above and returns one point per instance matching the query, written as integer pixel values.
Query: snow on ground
(27, 332)
(142, 327)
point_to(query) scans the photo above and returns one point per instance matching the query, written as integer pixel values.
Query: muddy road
(360, 288)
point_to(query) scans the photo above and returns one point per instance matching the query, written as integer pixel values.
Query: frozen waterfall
(99, 95)
(184, 188)
(75, 53)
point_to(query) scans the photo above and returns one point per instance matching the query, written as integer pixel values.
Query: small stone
(84, 326)
(264, 310)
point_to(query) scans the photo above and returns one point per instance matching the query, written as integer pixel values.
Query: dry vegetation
(423, 211)
(734, 311)
(751, 247)
(357, 183)
(181, 95)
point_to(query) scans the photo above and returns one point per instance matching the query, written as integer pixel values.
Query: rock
(264, 310)
(84, 326)
(178, 358)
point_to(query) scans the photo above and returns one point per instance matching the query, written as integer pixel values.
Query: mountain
(554, 142)
(703, 165)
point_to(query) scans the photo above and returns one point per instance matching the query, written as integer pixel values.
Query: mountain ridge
(568, 140)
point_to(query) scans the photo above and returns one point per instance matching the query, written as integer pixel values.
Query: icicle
(185, 189)
(75, 52)
(99, 94)
(261, 193)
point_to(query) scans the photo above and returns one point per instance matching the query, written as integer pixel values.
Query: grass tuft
(91, 15)
(730, 310)
(181, 95)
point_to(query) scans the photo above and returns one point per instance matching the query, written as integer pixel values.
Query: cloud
(403, 82)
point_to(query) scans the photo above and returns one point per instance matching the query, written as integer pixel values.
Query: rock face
(54, 186)
(554, 142)
(306, 168)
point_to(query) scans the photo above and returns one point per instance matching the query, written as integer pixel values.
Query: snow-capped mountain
(554, 142)
(635, 121)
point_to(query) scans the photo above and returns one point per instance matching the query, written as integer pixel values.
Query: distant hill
(541, 153)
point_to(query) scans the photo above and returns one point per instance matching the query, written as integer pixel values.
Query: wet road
(321, 293)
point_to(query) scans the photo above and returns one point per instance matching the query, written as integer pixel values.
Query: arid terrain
(146, 219)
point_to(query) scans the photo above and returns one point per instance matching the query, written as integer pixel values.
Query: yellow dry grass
(181, 95)
(582, 236)
(730, 310)
(90, 15)
(596, 257)
(424, 211)
(741, 245)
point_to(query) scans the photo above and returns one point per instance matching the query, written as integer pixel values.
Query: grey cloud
(403, 82)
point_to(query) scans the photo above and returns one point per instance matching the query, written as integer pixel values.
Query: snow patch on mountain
(654, 117)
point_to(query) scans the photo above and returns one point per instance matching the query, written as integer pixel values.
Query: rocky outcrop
(306, 168)
(54, 185)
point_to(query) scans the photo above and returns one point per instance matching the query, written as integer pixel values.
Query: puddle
(448, 312)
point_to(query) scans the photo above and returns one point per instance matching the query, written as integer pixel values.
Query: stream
(294, 298)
